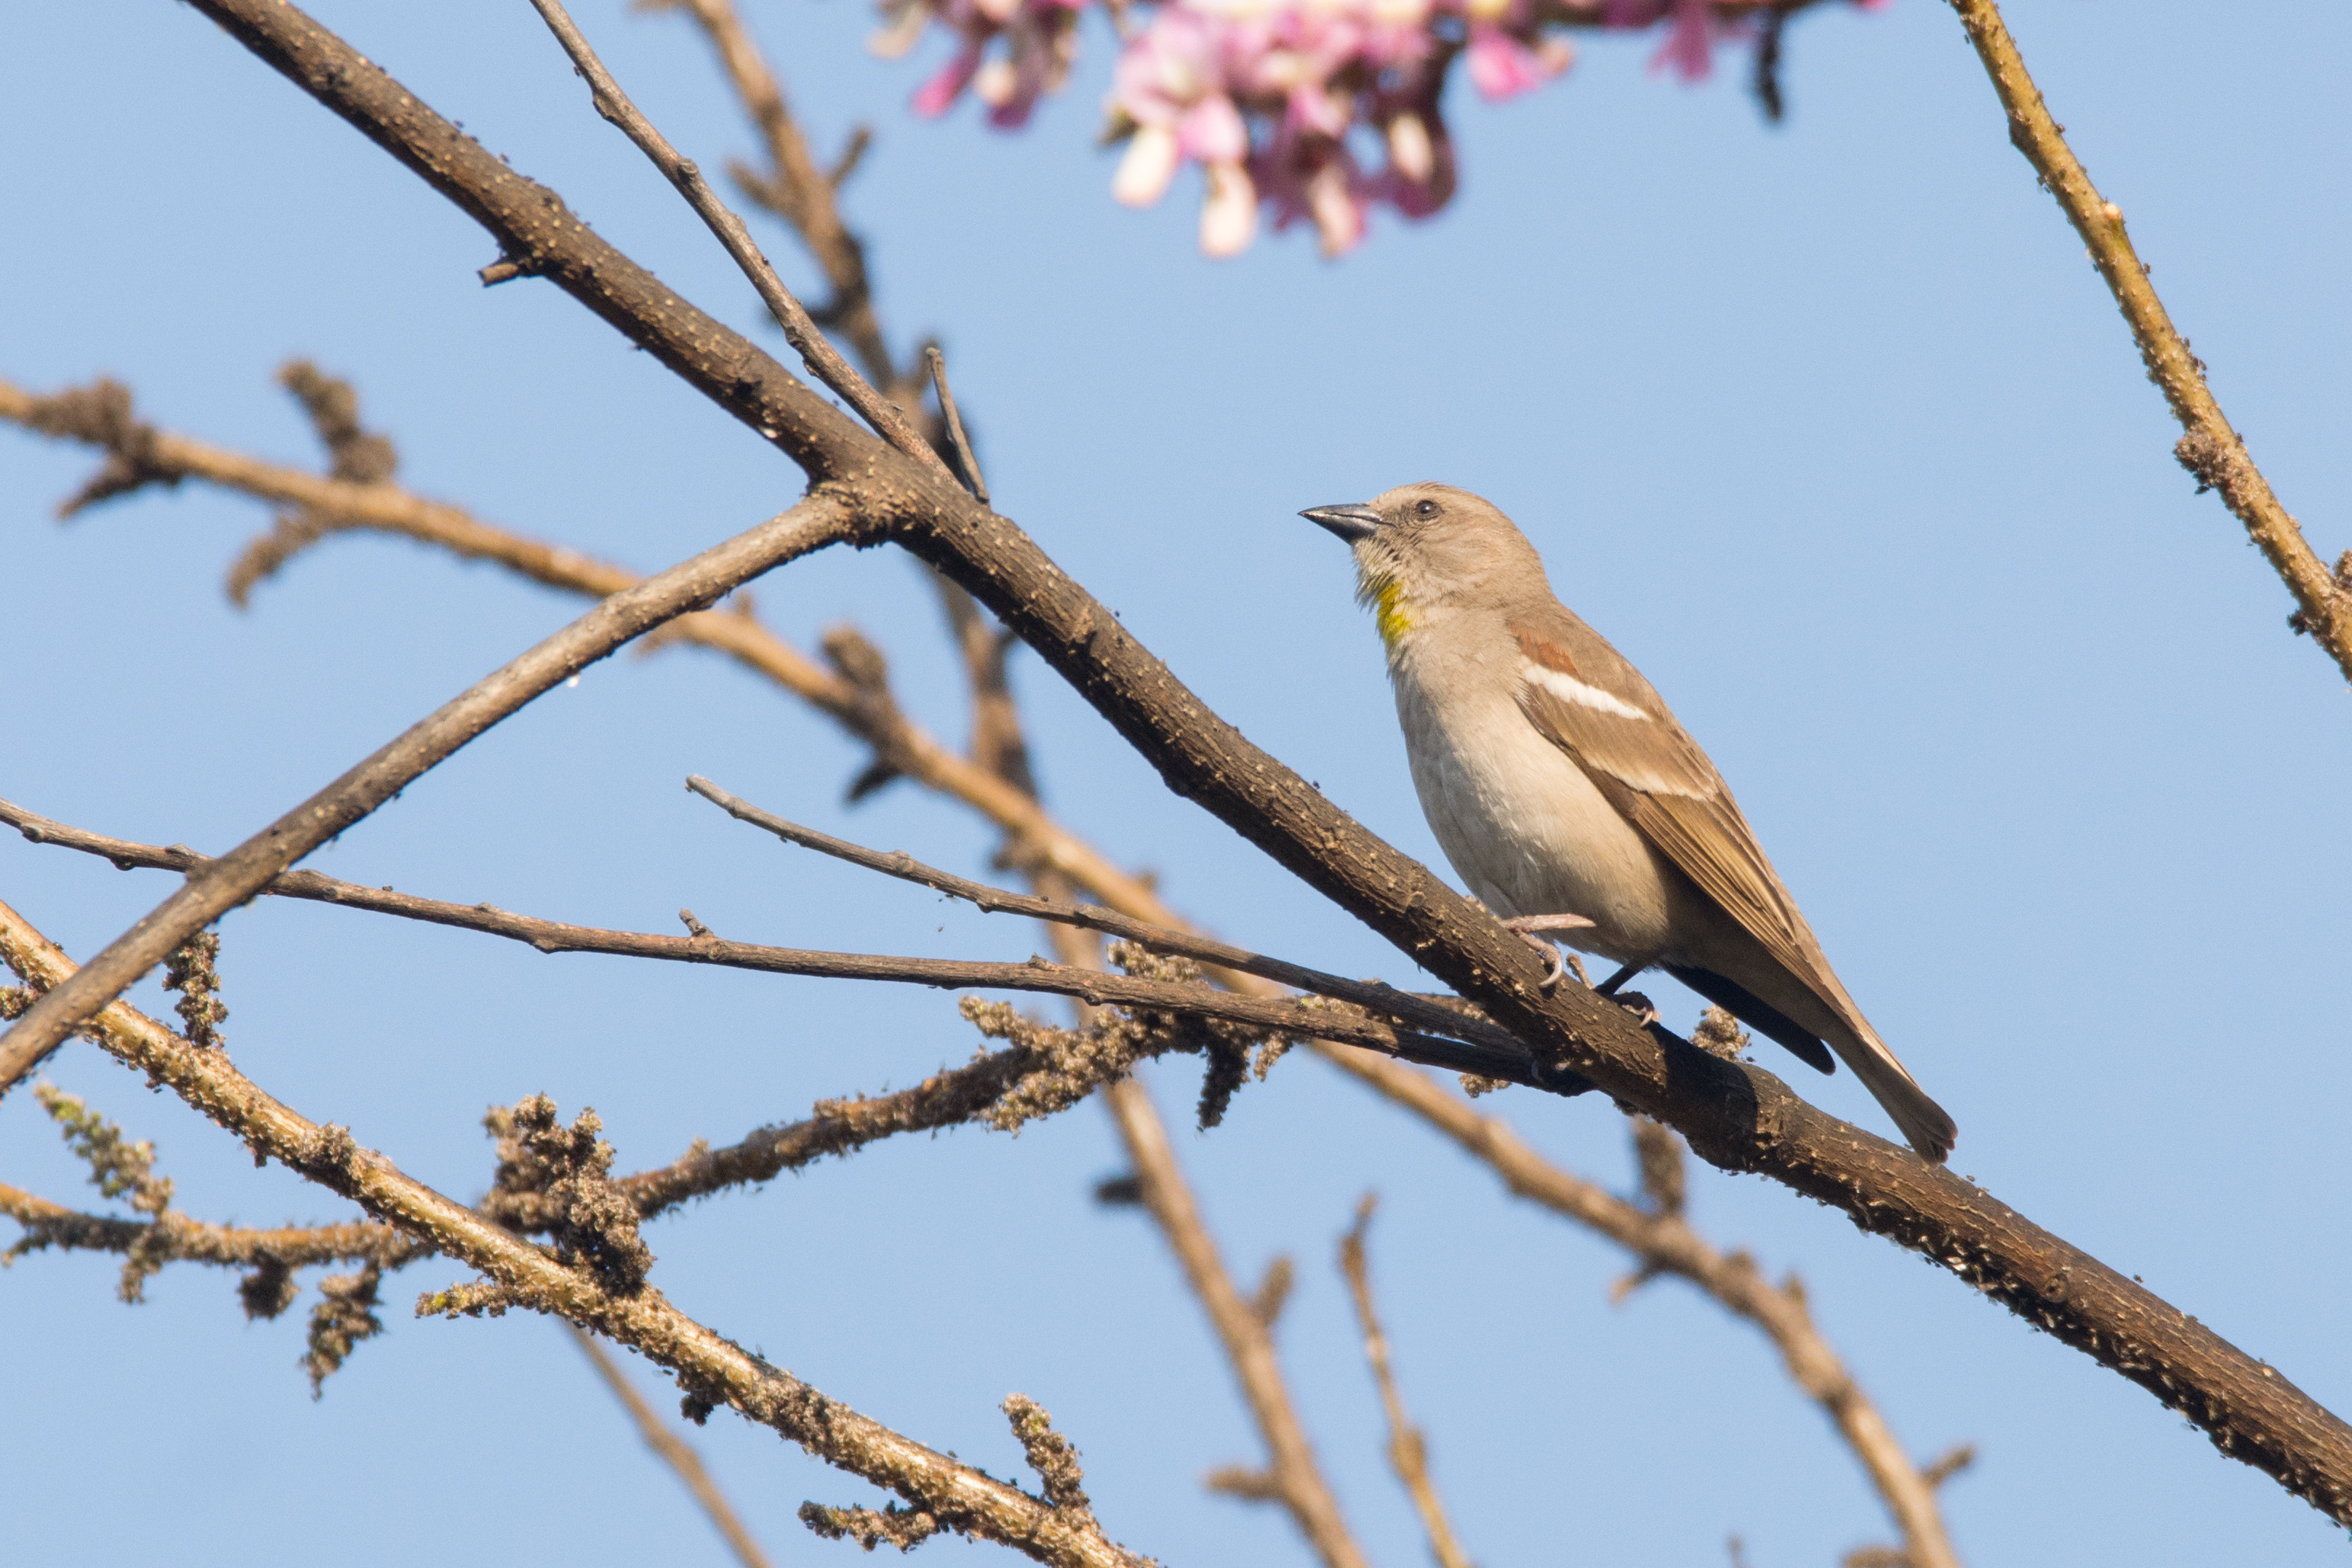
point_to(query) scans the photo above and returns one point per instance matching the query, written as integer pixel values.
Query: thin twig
(179, 1239)
(824, 360)
(1293, 1479)
(89, 416)
(712, 1368)
(1372, 995)
(672, 1451)
(225, 883)
(1662, 1242)
(1408, 1453)
(2209, 448)
(1291, 1019)
(1297, 1480)
(794, 188)
(971, 479)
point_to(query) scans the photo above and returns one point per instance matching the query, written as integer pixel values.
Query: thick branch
(2209, 448)
(1736, 1116)
(711, 1367)
(225, 883)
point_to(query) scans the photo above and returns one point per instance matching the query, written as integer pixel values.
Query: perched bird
(1571, 802)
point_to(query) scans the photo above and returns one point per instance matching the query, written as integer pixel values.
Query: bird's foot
(1634, 1002)
(1560, 960)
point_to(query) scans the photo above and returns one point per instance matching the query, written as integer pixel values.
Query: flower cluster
(1317, 110)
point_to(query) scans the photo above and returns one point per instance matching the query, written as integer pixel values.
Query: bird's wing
(1581, 695)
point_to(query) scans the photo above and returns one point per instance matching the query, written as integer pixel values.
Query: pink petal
(935, 96)
(1212, 132)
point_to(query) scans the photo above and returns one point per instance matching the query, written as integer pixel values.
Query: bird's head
(1422, 547)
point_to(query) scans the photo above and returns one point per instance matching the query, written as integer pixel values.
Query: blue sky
(1829, 427)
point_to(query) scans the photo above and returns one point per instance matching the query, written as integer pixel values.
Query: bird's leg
(1608, 987)
(1634, 1002)
(1557, 958)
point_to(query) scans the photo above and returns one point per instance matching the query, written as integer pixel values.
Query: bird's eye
(1424, 508)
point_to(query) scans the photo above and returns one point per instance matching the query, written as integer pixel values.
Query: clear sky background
(1831, 427)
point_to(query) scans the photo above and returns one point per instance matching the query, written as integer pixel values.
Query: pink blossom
(1502, 67)
(1318, 111)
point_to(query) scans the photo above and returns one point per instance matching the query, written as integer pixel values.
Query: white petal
(1409, 149)
(1229, 216)
(995, 83)
(1150, 162)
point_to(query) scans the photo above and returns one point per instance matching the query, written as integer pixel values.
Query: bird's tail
(1928, 1126)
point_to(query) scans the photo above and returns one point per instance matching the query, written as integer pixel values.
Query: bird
(1572, 802)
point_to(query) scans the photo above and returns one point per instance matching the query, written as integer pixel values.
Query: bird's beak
(1350, 522)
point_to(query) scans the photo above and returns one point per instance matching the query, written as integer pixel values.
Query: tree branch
(713, 1369)
(92, 415)
(1736, 1116)
(794, 188)
(1663, 1242)
(179, 1239)
(1493, 1054)
(222, 884)
(1373, 996)
(823, 361)
(2209, 448)
(1294, 1480)
(672, 1450)
(1408, 1453)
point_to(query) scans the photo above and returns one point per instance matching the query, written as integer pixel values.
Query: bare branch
(713, 1369)
(969, 464)
(1408, 1453)
(673, 1450)
(1371, 995)
(794, 188)
(1662, 1243)
(388, 508)
(1309, 1019)
(2209, 448)
(1292, 1476)
(225, 883)
(821, 358)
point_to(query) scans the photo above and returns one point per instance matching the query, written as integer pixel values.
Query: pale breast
(1522, 825)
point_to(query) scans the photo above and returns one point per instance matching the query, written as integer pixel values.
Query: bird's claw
(1557, 961)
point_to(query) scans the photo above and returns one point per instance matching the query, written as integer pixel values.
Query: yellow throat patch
(1389, 613)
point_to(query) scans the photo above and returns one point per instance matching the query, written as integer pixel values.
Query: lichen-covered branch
(713, 1369)
(2209, 448)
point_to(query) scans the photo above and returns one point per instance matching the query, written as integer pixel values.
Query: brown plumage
(1558, 782)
